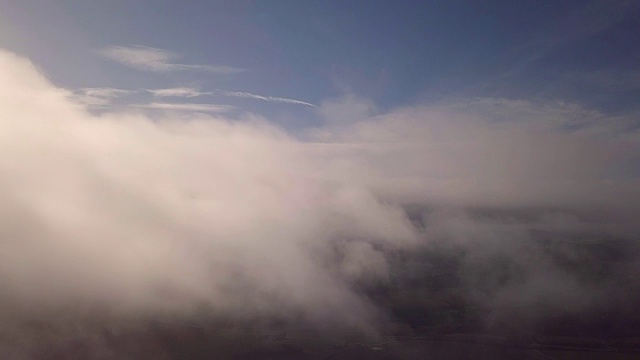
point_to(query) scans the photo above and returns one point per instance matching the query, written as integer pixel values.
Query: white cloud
(177, 92)
(102, 97)
(126, 212)
(490, 152)
(187, 107)
(99, 97)
(265, 98)
(131, 213)
(191, 92)
(152, 59)
(105, 92)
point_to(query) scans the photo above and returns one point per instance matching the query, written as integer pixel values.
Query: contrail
(265, 98)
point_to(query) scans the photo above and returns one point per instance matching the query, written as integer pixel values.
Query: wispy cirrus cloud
(153, 59)
(177, 92)
(265, 98)
(191, 92)
(103, 97)
(106, 92)
(99, 96)
(193, 107)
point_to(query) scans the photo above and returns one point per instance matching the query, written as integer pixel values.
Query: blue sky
(391, 53)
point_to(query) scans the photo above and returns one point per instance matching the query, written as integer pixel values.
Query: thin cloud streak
(187, 107)
(158, 60)
(191, 92)
(99, 96)
(265, 98)
(102, 97)
(177, 92)
(106, 92)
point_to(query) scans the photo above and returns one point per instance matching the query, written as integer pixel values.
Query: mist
(132, 214)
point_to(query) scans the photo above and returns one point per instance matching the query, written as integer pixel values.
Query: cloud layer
(132, 214)
(490, 152)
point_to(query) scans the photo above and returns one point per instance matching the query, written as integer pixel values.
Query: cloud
(105, 92)
(167, 214)
(152, 59)
(177, 92)
(347, 110)
(530, 268)
(491, 152)
(183, 216)
(99, 97)
(186, 107)
(191, 92)
(102, 97)
(265, 98)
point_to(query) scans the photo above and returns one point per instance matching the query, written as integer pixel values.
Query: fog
(170, 215)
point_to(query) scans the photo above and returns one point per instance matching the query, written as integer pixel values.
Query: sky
(581, 52)
(258, 158)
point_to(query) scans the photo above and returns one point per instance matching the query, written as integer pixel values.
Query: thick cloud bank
(126, 213)
(130, 213)
(491, 152)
